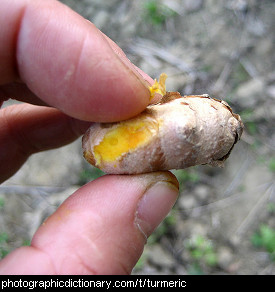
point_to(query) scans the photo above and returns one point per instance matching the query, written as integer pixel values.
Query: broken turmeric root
(178, 132)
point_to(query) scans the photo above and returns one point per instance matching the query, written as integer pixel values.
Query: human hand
(69, 74)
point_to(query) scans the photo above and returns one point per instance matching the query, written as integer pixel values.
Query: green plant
(163, 228)
(157, 13)
(26, 242)
(272, 164)
(185, 176)
(239, 75)
(202, 253)
(89, 174)
(3, 244)
(249, 121)
(140, 263)
(247, 115)
(195, 269)
(2, 202)
(265, 238)
(251, 127)
(271, 208)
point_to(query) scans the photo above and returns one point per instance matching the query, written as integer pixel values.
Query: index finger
(67, 62)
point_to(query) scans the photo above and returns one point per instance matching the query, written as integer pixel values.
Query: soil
(224, 49)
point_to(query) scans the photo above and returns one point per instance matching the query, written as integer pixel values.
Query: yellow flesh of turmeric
(122, 139)
(159, 86)
(128, 135)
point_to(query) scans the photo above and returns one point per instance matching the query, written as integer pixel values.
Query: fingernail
(155, 204)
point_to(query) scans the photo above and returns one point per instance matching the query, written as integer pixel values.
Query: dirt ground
(222, 48)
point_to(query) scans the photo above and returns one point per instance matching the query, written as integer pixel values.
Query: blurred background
(223, 221)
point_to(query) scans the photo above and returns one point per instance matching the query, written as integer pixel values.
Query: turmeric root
(176, 133)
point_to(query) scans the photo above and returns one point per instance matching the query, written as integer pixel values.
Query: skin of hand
(69, 74)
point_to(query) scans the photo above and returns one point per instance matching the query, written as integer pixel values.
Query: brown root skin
(178, 132)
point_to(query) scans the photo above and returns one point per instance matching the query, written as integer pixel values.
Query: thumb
(100, 229)
(66, 62)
